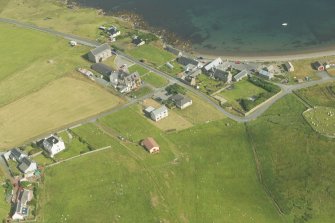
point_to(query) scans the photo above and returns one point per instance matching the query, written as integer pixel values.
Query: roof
(101, 49)
(172, 50)
(177, 97)
(52, 140)
(17, 153)
(213, 64)
(25, 164)
(186, 61)
(317, 64)
(102, 69)
(180, 99)
(240, 75)
(137, 40)
(112, 30)
(149, 143)
(159, 110)
(221, 74)
(149, 109)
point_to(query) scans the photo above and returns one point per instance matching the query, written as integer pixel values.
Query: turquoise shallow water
(238, 27)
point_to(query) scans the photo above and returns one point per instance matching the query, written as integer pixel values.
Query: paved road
(286, 89)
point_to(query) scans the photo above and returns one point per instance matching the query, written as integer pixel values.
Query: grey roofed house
(27, 165)
(223, 75)
(100, 53)
(138, 41)
(186, 61)
(173, 50)
(181, 101)
(17, 154)
(102, 69)
(224, 66)
(241, 75)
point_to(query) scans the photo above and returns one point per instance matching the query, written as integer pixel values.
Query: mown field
(199, 176)
(296, 162)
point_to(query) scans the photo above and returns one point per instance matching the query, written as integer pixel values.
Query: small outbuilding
(318, 66)
(289, 66)
(150, 145)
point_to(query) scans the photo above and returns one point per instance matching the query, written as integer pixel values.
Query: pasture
(296, 163)
(319, 95)
(198, 169)
(321, 119)
(155, 80)
(60, 103)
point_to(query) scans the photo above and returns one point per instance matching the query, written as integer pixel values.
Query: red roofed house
(151, 145)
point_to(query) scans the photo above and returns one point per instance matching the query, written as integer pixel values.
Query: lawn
(209, 85)
(151, 54)
(155, 80)
(32, 62)
(321, 120)
(61, 102)
(141, 70)
(241, 89)
(143, 91)
(319, 95)
(177, 68)
(200, 111)
(297, 164)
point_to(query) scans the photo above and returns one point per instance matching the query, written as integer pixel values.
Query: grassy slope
(297, 163)
(183, 183)
(319, 95)
(32, 60)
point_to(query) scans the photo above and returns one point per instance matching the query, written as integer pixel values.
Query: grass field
(177, 68)
(151, 54)
(155, 80)
(296, 162)
(4, 206)
(319, 95)
(321, 120)
(241, 89)
(141, 70)
(180, 184)
(51, 108)
(200, 111)
(141, 92)
(33, 61)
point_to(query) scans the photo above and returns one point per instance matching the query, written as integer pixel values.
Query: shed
(150, 145)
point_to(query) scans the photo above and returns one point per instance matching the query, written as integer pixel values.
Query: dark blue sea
(238, 27)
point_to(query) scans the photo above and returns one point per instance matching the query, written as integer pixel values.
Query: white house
(241, 75)
(159, 113)
(213, 65)
(113, 31)
(53, 145)
(266, 74)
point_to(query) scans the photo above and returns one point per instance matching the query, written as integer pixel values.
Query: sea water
(238, 27)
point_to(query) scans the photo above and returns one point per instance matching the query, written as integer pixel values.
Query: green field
(151, 54)
(155, 80)
(296, 163)
(180, 184)
(141, 92)
(319, 95)
(177, 68)
(321, 120)
(141, 70)
(241, 89)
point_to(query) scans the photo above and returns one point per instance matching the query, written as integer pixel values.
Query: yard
(177, 68)
(155, 80)
(141, 70)
(151, 54)
(61, 102)
(209, 85)
(321, 120)
(142, 91)
(241, 89)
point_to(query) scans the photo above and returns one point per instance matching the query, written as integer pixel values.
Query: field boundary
(263, 103)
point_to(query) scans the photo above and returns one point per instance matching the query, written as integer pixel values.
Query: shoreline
(171, 38)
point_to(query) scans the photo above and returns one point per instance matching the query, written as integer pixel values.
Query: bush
(175, 89)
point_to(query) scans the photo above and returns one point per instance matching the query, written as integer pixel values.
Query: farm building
(289, 66)
(21, 207)
(318, 66)
(150, 145)
(181, 101)
(53, 145)
(100, 53)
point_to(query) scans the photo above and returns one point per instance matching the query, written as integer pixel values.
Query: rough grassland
(31, 59)
(319, 95)
(297, 164)
(63, 101)
(203, 174)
